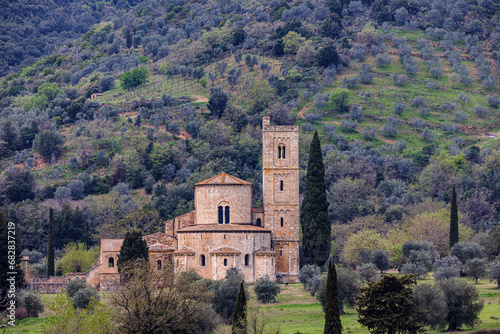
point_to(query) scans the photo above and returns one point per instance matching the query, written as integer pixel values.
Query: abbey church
(224, 230)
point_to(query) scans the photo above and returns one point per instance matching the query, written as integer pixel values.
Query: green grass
(295, 310)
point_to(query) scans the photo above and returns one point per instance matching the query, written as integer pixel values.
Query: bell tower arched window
(111, 262)
(247, 260)
(281, 221)
(158, 264)
(281, 185)
(259, 222)
(202, 260)
(281, 151)
(225, 262)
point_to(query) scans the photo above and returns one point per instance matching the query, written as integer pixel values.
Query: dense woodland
(404, 95)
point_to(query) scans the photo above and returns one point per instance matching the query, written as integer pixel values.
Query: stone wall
(207, 199)
(245, 242)
(109, 282)
(173, 225)
(53, 284)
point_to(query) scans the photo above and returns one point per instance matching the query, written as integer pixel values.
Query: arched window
(281, 185)
(225, 262)
(111, 262)
(281, 221)
(226, 214)
(221, 215)
(281, 252)
(158, 264)
(202, 260)
(281, 152)
(259, 222)
(247, 260)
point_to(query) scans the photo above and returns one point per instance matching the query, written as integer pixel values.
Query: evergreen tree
(332, 310)
(239, 325)
(6, 265)
(50, 256)
(316, 228)
(453, 219)
(128, 38)
(386, 307)
(133, 248)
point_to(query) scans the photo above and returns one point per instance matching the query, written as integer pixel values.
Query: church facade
(225, 230)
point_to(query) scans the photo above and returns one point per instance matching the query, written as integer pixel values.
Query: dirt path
(302, 112)
(200, 98)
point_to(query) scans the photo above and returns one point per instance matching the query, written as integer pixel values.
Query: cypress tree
(316, 228)
(453, 219)
(128, 38)
(133, 248)
(50, 256)
(332, 308)
(239, 325)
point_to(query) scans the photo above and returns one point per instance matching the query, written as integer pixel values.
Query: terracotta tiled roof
(25, 258)
(226, 250)
(160, 247)
(185, 250)
(221, 228)
(111, 245)
(222, 178)
(265, 251)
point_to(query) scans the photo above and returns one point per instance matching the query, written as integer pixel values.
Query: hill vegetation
(111, 111)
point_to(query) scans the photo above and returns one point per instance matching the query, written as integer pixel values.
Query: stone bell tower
(280, 183)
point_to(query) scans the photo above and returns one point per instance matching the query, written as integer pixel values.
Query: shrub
(494, 101)
(391, 128)
(350, 82)
(383, 59)
(463, 303)
(106, 83)
(369, 133)
(432, 85)
(464, 251)
(381, 260)
(307, 127)
(131, 79)
(448, 106)
(460, 116)
(417, 101)
(356, 113)
(464, 98)
(266, 290)
(447, 267)
(83, 297)
(423, 111)
(367, 271)
(74, 286)
(306, 273)
(349, 126)
(365, 75)
(399, 107)
(31, 301)
(428, 135)
(313, 117)
(451, 128)
(480, 111)
(399, 79)
(475, 268)
(419, 123)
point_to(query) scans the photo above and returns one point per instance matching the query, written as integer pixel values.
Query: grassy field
(296, 311)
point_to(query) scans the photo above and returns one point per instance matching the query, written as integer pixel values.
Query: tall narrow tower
(280, 161)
